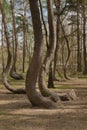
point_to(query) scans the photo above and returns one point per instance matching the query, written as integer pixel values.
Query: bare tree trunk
(68, 49)
(78, 41)
(2, 35)
(7, 68)
(48, 60)
(13, 72)
(24, 37)
(44, 24)
(49, 55)
(36, 98)
(14, 36)
(50, 77)
(9, 57)
(84, 37)
(57, 3)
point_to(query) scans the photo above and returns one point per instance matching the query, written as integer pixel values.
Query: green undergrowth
(82, 76)
(66, 86)
(13, 82)
(16, 82)
(21, 83)
(78, 75)
(2, 113)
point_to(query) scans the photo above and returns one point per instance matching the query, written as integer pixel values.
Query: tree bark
(24, 37)
(84, 37)
(36, 98)
(2, 47)
(13, 72)
(44, 24)
(49, 56)
(50, 77)
(9, 56)
(57, 4)
(78, 41)
(68, 49)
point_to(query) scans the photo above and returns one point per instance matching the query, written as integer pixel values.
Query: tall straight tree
(57, 4)
(78, 39)
(84, 36)
(24, 35)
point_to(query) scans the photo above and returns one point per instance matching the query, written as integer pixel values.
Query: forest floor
(16, 112)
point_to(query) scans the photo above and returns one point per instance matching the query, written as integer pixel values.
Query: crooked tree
(36, 98)
(49, 54)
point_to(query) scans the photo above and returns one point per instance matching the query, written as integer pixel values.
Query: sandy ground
(16, 112)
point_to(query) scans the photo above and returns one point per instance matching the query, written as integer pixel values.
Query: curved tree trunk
(50, 79)
(9, 57)
(49, 55)
(48, 60)
(36, 98)
(13, 72)
(14, 37)
(6, 69)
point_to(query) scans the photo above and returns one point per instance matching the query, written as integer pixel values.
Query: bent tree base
(36, 69)
(8, 87)
(16, 76)
(36, 98)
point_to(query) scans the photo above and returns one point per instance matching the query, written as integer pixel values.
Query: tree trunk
(78, 41)
(14, 36)
(8, 64)
(49, 56)
(68, 49)
(2, 47)
(9, 57)
(57, 3)
(84, 37)
(50, 78)
(13, 73)
(44, 24)
(24, 37)
(36, 98)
